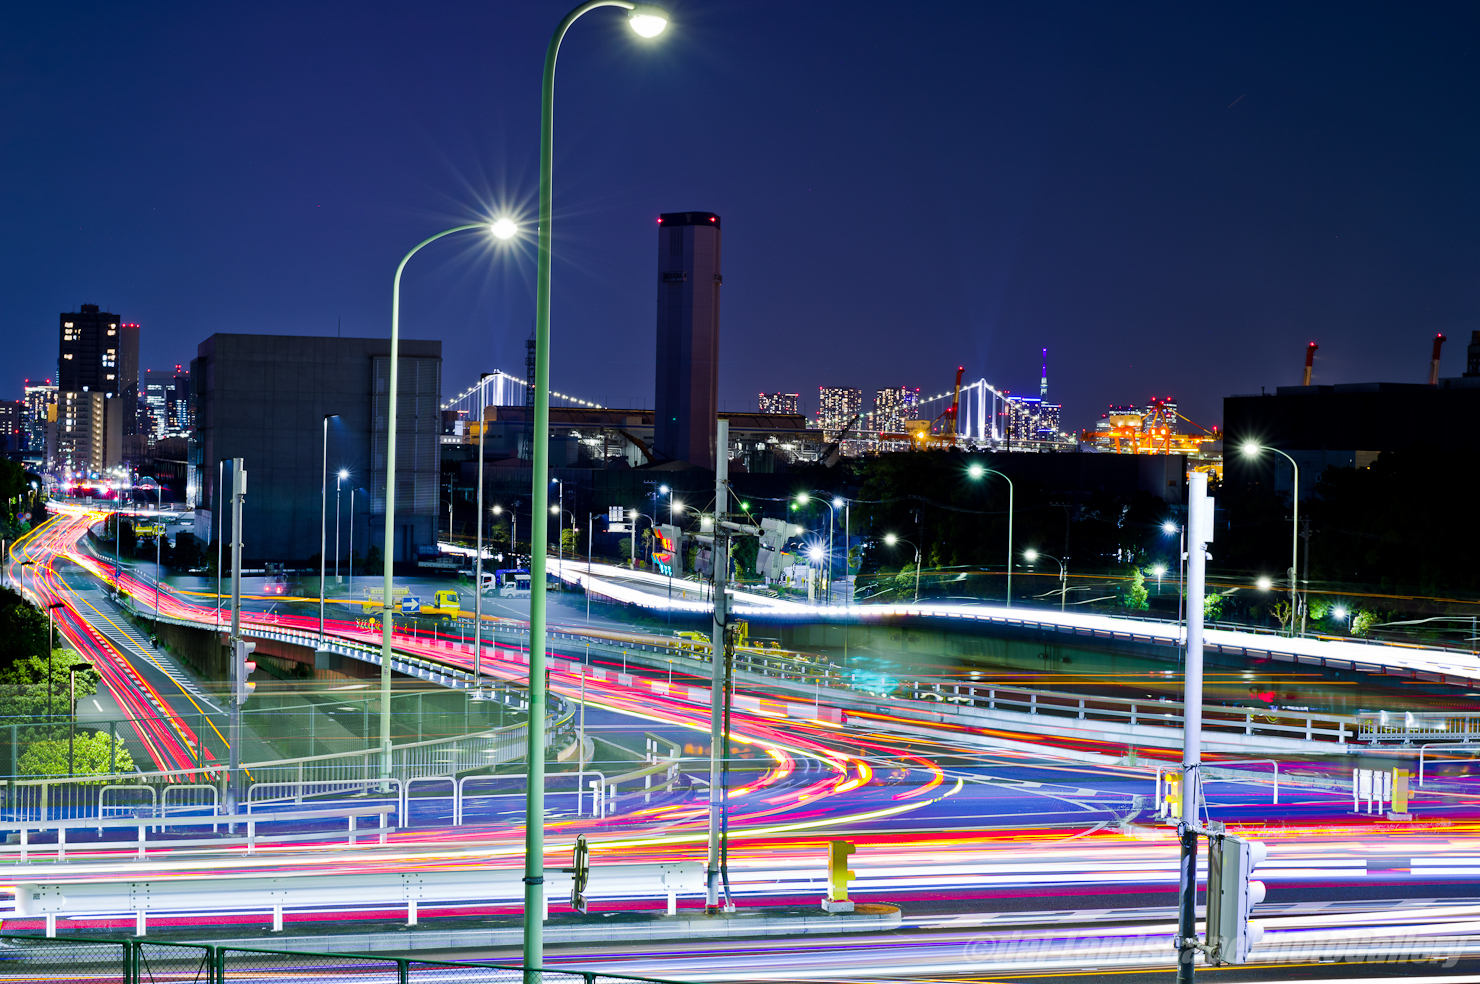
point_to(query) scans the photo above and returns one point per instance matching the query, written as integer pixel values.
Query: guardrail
(146, 961)
(283, 780)
(145, 824)
(93, 896)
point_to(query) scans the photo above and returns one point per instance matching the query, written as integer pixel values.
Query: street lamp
(501, 229)
(833, 506)
(513, 532)
(891, 540)
(1170, 528)
(1160, 571)
(338, 480)
(647, 21)
(324, 518)
(1251, 449)
(1031, 556)
(977, 470)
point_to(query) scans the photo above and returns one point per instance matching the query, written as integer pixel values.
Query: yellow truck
(445, 604)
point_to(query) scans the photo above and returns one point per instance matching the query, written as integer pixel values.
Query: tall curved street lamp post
(1031, 556)
(1252, 449)
(891, 540)
(648, 21)
(502, 229)
(833, 505)
(1169, 528)
(324, 517)
(977, 470)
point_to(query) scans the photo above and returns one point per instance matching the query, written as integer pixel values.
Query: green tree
(1135, 592)
(93, 753)
(23, 629)
(570, 541)
(24, 691)
(1363, 622)
(1213, 607)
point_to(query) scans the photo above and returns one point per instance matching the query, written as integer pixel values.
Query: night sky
(1173, 199)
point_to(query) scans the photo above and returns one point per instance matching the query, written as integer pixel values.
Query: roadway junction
(1014, 822)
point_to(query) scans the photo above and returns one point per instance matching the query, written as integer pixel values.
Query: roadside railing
(95, 960)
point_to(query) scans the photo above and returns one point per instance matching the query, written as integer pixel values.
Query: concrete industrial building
(1347, 425)
(686, 400)
(264, 397)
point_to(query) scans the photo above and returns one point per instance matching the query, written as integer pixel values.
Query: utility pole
(1189, 826)
(718, 739)
(238, 497)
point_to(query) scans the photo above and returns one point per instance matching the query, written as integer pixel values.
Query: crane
(949, 414)
(829, 455)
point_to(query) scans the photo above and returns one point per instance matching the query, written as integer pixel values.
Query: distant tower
(686, 401)
(1472, 356)
(1043, 378)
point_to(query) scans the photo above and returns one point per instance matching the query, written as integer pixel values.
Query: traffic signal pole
(1199, 534)
(718, 741)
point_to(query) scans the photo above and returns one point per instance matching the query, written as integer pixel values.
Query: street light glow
(891, 539)
(503, 228)
(1339, 612)
(976, 471)
(343, 473)
(815, 553)
(1030, 555)
(498, 510)
(663, 490)
(838, 502)
(1264, 584)
(1251, 449)
(1169, 527)
(803, 497)
(554, 510)
(1159, 570)
(677, 506)
(648, 20)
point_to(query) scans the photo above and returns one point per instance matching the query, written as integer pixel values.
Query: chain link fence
(37, 959)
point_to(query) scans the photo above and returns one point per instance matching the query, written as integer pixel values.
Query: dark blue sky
(1173, 199)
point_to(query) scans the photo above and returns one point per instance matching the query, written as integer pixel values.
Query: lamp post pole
(1252, 450)
(977, 471)
(478, 561)
(220, 524)
(350, 585)
(388, 602)
(323, 520)
(158, 537)
(648, 22)
(338, 480)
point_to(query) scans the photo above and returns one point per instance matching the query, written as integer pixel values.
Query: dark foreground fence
(141, 961)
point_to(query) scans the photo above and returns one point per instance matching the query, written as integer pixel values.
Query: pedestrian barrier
(144, 824)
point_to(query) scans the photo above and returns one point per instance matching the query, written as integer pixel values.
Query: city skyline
(1135, 229)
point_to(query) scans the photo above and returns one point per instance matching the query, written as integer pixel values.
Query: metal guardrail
(148, 793)
(95, 960)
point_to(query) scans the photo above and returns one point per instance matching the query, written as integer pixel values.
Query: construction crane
(829, 455)
(949, 414)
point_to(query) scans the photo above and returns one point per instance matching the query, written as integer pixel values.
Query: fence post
(403, 971)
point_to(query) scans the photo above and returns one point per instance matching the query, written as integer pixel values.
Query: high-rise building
(1031, 418)
(836, 407)
(39, 396)
(12, 425)
(167, 403)
(893, 407)
(780, 402)
(686, 401)
(99, 353)
(264, 398)
(89, 432)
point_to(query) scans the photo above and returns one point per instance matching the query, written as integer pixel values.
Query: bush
(1135, 592)
(1362, 623)
(94, 753)
(1213, 607)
